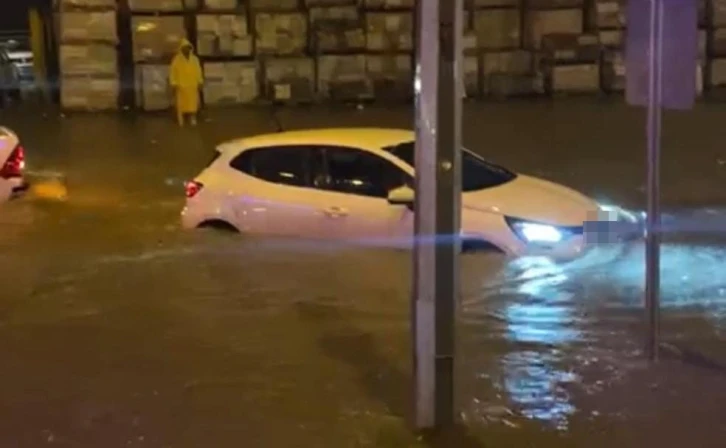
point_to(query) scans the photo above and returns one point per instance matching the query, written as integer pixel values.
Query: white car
(356, 185)
(12, 164)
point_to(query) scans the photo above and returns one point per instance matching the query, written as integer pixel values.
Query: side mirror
(402, 196)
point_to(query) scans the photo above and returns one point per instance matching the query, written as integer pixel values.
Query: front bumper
(614, 225)
(605, 229)
(569, 249)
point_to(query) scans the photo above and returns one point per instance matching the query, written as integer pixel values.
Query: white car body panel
(367, 220)
(8, 142)
(534, 199)
(256, 206)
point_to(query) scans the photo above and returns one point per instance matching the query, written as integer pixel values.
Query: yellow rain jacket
(185, 75)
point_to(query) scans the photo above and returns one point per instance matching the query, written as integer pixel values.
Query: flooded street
(119, 329)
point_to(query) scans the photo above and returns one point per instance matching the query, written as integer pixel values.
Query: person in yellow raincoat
(185, 77)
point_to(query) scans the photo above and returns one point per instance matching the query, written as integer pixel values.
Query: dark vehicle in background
(16, 68)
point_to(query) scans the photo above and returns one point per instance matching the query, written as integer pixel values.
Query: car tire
(219, 225)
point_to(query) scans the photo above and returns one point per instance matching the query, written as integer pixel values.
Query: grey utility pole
(438, 208)
(661, 58)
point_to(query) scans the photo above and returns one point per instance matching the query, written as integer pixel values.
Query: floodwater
(118, 329)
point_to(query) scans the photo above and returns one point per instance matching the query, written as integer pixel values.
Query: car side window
(286, 165)
(358, 172)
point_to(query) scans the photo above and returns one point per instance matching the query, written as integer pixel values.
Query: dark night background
(15, 13)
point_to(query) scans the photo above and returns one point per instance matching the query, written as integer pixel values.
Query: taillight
(192, 188)
(15, 164)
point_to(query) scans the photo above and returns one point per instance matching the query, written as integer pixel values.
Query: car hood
(533, 199)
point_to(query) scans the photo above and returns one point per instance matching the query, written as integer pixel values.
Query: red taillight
(15, 164)
(192, 188)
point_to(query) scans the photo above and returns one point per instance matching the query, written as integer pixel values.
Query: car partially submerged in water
(357, 185)
(12, 165)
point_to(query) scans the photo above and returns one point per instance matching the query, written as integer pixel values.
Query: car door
(358, 183)
(279, 197)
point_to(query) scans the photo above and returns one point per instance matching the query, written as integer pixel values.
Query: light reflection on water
(538, 304)
(542, 317)
(563, 321)
(536, 386)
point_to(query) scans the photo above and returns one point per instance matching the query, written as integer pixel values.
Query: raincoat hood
(185, 43)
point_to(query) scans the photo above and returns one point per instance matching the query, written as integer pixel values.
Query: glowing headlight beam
(539, 233)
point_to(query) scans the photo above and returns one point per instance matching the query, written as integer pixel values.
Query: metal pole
(438, 208)
(653, 227)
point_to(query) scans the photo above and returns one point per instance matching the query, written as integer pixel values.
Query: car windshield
(476, 173)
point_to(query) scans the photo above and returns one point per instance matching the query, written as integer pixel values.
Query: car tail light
(15, 164)
(192, 188)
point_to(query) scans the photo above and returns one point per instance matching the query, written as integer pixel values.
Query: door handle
(336, 212)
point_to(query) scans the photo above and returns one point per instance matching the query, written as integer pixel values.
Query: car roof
(367, 138)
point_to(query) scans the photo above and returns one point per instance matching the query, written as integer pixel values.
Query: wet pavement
(118, 329)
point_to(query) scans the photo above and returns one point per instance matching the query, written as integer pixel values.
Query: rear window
(280, 165)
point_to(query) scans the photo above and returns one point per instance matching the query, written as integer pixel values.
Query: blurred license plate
(599, 232)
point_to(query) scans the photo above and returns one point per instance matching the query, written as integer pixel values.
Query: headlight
(533, 232)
